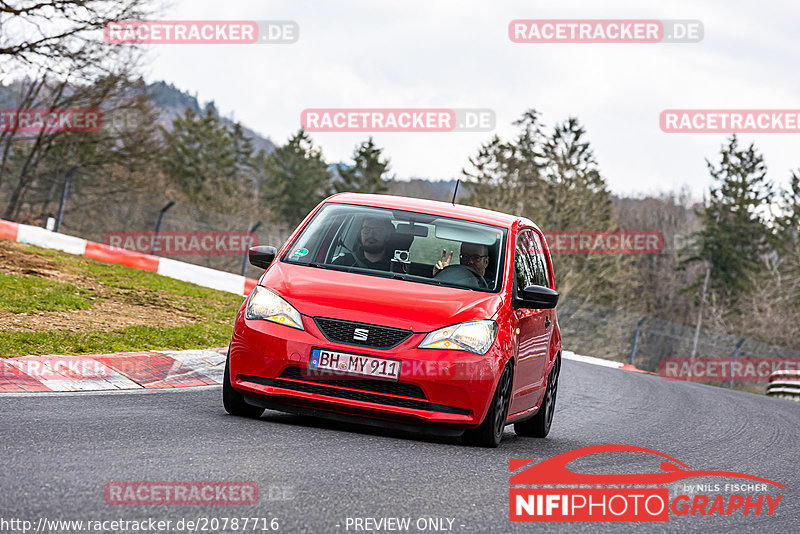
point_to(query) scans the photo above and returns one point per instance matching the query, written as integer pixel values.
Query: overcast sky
(457, 54)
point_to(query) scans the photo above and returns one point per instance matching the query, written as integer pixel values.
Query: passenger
(472, 255)
(372, 250)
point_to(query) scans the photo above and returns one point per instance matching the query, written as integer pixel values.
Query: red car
(402, 312)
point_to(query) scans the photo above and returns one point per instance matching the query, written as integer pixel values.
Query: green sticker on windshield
(300, 252)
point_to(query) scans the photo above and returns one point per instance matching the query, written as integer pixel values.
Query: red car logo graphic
(554, 470)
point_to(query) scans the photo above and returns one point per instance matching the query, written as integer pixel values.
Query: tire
(538, 426)
(490, 433)
(233, 400)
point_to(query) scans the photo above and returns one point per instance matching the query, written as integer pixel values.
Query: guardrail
(784, 385)
(188, 272)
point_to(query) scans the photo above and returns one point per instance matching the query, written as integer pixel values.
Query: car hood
(415, 306)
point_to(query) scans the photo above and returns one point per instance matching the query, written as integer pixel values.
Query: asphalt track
(59, 450)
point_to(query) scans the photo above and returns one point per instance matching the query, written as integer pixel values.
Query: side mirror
(262, 256)
(539, 297)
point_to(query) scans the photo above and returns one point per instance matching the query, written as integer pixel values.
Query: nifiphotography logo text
(549, 491)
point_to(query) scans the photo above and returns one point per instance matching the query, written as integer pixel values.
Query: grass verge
(56, 303)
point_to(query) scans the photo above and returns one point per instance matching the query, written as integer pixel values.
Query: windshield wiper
(317, 265)
(351, 269)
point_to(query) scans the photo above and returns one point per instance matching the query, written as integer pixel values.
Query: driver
(372, 250)
(472, 255)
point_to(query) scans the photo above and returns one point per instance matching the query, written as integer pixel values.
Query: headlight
(472, 336)
(266, 305)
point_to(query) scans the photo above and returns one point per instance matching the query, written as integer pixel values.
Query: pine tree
(529, 161)
(735, 233)
(492, 177)
(787, 224)
(555, 181)
(505, 175)
(205, 157)
(576, 195)
(573, 195)
(297, 178)
(367, 173)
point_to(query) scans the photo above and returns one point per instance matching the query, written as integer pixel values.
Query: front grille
(353, 395)
(375, 386)
(378, 337)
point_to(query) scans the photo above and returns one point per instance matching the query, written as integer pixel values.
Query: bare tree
(56, 51)
(62, 36)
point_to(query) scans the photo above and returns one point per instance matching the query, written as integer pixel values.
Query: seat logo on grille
(360, 334)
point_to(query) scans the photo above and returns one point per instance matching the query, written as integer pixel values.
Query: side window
(530, 266)
(539, 263)
(524, 272)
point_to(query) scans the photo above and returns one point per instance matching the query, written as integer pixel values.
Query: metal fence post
(255, 227)
(636, 337)
(64, 192)
(735, 357)
(158, 224)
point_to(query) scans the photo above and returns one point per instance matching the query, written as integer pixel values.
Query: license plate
(342, 363)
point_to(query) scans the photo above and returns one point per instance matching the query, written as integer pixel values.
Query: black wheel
(490, 433)
(538, 426)
(233, 400)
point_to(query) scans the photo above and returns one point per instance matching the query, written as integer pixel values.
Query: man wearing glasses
(372, 250)
(472, 255)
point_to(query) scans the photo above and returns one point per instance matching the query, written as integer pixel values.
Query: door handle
(547, 323)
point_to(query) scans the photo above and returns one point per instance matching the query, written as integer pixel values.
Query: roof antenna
(456, 192)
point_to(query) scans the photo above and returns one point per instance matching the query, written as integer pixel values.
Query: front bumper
(269, 361)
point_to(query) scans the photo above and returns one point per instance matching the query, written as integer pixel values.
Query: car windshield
(402, 244)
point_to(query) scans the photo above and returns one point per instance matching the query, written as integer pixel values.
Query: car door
(535, 326)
